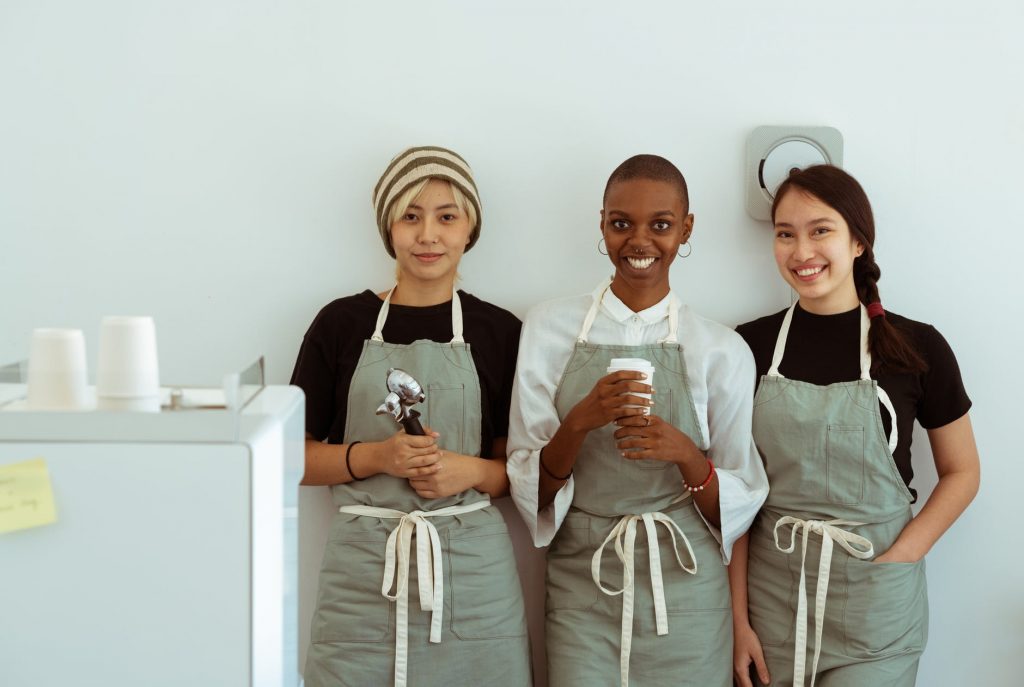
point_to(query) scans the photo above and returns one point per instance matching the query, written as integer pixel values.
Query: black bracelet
(348, 465)
(549, 473)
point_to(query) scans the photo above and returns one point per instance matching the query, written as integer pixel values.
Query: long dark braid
(890, 347)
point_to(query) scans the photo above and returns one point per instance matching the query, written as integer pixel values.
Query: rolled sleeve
(742, 482)
(533, 421)
(720, 368)
(524, 480)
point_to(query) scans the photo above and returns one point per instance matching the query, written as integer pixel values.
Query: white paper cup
(127, 366)
(634, 365)
(56, 370)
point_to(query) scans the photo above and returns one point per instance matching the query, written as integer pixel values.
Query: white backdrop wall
(210, 163)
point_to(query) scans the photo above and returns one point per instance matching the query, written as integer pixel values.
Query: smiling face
(643, 222)
(814, 251)
(430, 236)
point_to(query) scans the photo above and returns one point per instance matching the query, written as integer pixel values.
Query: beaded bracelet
(551, 474)
(706, 482)
(348, 465)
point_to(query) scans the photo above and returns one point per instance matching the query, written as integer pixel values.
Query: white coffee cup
(57, 370)
(127, 373)
(634, 365)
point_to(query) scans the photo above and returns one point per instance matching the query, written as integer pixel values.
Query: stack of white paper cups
(56, 370)
(635, 365)
(127, 375)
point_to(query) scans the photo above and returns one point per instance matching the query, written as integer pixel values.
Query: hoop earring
(599, 242)
(687, 244)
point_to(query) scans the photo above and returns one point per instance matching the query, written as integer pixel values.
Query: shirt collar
(620, 312)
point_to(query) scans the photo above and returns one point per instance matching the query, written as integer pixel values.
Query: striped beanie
(414, 165)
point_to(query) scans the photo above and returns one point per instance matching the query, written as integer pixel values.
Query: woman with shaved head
(640, 485)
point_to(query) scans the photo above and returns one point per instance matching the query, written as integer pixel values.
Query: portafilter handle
(411, 422)
(403, 392)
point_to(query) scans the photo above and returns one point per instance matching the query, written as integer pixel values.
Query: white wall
(210, 163)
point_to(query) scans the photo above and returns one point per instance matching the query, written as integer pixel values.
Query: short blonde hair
(409, 196)
(402, 203)
(412, 166)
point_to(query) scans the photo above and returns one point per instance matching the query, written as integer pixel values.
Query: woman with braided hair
(841, 382)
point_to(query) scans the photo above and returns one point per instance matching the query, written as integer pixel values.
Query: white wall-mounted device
(774, 151)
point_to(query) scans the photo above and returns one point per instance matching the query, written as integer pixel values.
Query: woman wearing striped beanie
(469, 625)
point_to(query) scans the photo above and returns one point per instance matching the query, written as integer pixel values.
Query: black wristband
(549, 473)
(348, 465)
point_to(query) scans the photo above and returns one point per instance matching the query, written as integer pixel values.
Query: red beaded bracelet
(706, 482)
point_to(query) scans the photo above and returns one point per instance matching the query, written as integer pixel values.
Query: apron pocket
(844, 464)
(708, 590)
(886, 608)
(569, 582)
(350, 607)
(771, 591)
(487, 600)
(446, 414)
(689, 520)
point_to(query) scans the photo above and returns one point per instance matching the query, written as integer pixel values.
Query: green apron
(612, 627)
(470, 625)
(832, 476)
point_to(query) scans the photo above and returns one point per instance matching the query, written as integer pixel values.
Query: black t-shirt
(824, 349)
(331, 349)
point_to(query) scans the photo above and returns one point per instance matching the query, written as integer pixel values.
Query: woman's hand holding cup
(649, 437)
(614, 396)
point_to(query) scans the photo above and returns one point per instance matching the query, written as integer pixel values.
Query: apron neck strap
(780, 342)
(865, 352)
(598, 296)
(382, 317)
(865, 363)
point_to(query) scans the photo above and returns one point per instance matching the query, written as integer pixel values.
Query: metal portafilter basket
(403, 393)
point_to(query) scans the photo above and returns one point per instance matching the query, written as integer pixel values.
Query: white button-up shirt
(720, 372)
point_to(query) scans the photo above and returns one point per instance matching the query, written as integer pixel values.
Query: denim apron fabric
(469, 626)
(634, 622)
(836, 501)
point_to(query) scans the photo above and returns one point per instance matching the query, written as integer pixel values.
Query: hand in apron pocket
(887, 609)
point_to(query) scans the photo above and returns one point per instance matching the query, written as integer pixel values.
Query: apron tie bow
(624, 534)
(831, 532)
(430, 576)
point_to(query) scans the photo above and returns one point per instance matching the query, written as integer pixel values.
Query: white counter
(173, 558)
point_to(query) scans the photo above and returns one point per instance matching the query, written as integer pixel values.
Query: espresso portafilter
(403, 393)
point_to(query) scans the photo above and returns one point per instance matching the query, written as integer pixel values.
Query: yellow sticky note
(26, 497)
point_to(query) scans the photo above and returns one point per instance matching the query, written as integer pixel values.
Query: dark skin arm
(659, 440)
(638, 437)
